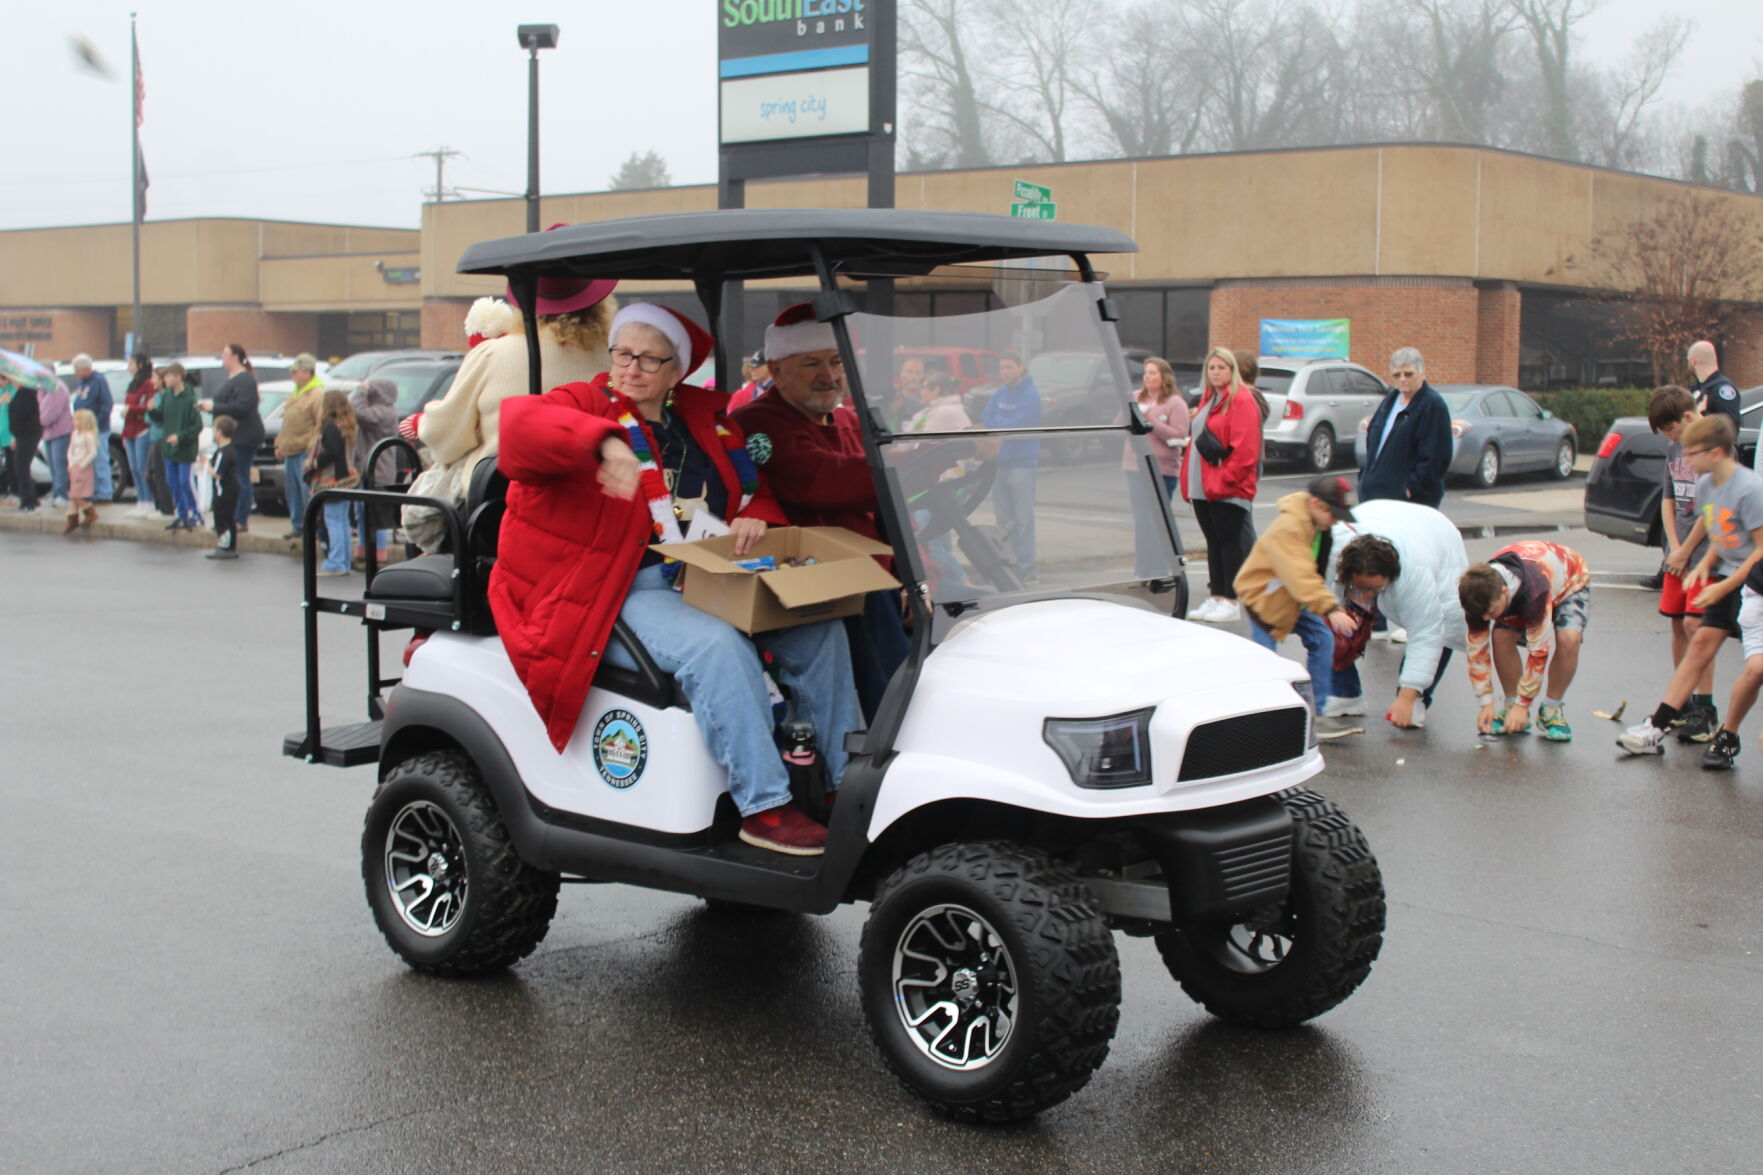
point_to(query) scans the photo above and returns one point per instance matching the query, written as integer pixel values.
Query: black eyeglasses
(648, 363)
(1404, 374)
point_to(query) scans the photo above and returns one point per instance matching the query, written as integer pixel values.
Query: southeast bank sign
(794, 69)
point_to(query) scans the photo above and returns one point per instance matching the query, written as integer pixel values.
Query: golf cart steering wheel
(947, 501)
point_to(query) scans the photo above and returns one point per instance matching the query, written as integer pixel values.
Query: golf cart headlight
(1103, 752)
(1308, 693)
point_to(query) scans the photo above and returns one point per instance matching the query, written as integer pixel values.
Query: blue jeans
(1151, 557)
(183, 493)
(137, 447)
(247, 498)
(102, 489)
(56, 451)
(1013, 498)
(1347, 685)
(1318, 640)
(381, 535)
(336, 541)
(719, 670)
(294, 485)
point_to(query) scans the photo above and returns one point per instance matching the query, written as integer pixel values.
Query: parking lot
(1571, 978)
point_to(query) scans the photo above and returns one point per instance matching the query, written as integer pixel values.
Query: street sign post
(1034, 211)
(1033, 193)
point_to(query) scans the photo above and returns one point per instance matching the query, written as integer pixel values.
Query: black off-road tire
(1330, 926)
(506, 906)
(1056, 948)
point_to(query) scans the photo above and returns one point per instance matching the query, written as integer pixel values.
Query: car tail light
(1612, 440)
(1459, 427)
(1294, 410)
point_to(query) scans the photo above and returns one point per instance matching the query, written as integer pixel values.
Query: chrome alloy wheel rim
(425, 869)
(1564, 460)
(954, 987)
(1490, 467)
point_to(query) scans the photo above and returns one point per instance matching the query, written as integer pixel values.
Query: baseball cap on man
(305, 362)
(1337, 492)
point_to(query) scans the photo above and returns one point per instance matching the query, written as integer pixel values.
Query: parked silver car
(1313, 407)
(1497, 430)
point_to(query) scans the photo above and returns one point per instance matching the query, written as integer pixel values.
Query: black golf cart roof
(749, 244)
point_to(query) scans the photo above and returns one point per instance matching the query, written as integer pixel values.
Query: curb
(48, 520)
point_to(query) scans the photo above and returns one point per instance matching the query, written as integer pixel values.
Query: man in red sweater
(811, 449)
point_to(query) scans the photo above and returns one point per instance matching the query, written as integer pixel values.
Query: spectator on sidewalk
(299, 426)
(1016, 404)
(82, 456)
(1219, 477)
(23, 420)
(1714, 392)
(1408, 442)
(1160, 402)
(376, 417)
(137, 440)
(55, 412)
(224, 468)
(164, 509)
(92, 393)
(330, 465)
(176, 410)
(238, 399)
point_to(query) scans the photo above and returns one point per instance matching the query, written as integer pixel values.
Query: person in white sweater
(1421, 596)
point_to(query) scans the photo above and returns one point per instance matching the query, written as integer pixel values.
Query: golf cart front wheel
(446, 886)
(1289, 962)
(989, 980)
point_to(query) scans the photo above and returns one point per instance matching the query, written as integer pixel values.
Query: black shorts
(1723, 615)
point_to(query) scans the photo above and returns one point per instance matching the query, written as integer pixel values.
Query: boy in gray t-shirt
(1672, 410)
(1730, 498)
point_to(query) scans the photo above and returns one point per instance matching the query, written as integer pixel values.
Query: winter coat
(329, 462)
(135, 401)
(1237, 425)
(55, 411)
(24, 415)
(569, 551)
(1169, 422)
(1423, 598)
(82, 454)
(238, 399)
(1015, 405)
(817, 473)
(461, 428)
(93, 394)
(176, 412)
(1410, 466)
(300, 415)
(1280, 577)
(376, 418)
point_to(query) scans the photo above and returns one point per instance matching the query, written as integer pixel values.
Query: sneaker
(1381, 634)
(162, 516)
(324, 571)
(783, 829)
(1344, 707)
(1204, 612)
(221, 553)
(1721, 752)
(1552, 720)
(1643, 738)
(138, 512)
(1227, 612)
(1332, 728)
(1698, 725)
(1397, 636)
(59, 501)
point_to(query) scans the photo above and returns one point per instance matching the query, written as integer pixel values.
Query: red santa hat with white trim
(795, 332)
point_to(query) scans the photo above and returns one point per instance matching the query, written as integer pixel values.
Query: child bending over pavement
(1535, 594)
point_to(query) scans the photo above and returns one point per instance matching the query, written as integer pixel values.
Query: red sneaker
(783, 829)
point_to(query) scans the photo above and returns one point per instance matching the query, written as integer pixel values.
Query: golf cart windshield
(1012, 488)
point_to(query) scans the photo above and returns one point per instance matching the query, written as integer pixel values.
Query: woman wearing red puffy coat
(1219, 476)
(598, 471)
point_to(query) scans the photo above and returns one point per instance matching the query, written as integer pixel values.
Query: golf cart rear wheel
(989, 980)
(446, 886)
(1284, 964)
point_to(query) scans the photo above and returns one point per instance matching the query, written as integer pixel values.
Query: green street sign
(1033, 193)
(1035, 211)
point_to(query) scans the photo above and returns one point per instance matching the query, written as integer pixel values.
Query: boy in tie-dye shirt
(1535, 594)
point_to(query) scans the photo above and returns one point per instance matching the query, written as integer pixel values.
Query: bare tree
(1614, 127)
(937, 42)
(1138, 83)
(1681, 273)
(1550, 25)
(1744, 152)
(1035, 68)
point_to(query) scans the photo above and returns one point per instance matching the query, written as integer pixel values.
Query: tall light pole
(534, 37)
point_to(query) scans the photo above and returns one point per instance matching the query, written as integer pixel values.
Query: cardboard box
(760, 601)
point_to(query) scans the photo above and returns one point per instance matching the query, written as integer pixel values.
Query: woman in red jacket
(598, 471)
(1219, 476)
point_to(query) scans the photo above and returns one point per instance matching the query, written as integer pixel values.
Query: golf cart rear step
(338, 746)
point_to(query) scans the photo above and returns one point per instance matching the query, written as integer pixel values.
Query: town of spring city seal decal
(621, 749)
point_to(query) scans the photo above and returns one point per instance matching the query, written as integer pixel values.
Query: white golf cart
(1059, 758)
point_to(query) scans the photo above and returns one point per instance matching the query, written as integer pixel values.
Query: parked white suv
(1314, 407)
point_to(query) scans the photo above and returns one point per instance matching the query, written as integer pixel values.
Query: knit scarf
(654, 483)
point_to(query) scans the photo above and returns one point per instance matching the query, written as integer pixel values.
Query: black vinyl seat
(426, 577)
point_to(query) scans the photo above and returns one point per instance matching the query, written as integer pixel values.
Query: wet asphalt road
(1572, 978)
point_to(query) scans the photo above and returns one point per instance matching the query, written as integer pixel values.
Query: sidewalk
(264, 537)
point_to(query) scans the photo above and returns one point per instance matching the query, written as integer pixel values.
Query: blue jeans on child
(56, 451)
(336, 542)
(183, 494)
(1318, 640)
(719, 670)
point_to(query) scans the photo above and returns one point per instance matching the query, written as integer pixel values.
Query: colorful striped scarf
(654, 483)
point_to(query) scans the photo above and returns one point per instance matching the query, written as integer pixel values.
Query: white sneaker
(1398, 635)
(1205, 610)
(140, 512)
(1344, 707)
(1328, 729)
(1643, 738)
(1227, 612)
(162, 516)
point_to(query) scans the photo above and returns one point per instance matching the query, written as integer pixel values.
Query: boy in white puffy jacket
(1421, 596)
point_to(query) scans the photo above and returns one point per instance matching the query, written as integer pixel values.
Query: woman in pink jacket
(1161, 403)
(1219, 477)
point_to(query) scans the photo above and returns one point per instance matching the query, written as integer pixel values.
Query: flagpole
(135, 172)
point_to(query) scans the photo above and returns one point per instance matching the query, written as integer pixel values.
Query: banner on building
(1306, 338)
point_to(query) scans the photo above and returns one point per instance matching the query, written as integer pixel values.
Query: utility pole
(440, 155)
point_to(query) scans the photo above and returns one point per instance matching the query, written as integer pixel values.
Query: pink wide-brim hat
(565, 295)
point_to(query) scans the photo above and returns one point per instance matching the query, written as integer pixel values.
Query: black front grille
(1243, 743)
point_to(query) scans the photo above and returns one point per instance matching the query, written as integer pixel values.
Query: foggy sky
(312, 111)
